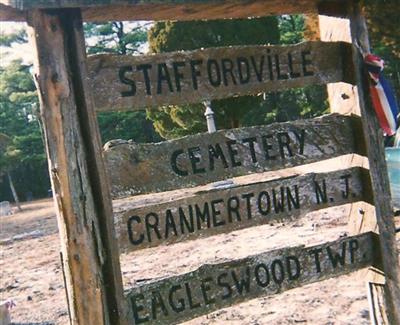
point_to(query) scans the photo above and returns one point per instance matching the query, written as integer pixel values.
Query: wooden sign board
(222, 211)
(215, 286)
(135, 82)
(205, 158)
(113, 10)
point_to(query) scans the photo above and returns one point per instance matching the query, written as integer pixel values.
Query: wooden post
(343, 99)
(85, 219)
(359, 100)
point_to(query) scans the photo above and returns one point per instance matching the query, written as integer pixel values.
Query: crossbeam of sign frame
(225, 210)
(215, 286)
(135, 82)
(205, 158)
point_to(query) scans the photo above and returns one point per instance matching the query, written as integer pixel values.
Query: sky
(26, 52)
(22, 51)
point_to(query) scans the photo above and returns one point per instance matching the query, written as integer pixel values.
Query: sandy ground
(31, 273)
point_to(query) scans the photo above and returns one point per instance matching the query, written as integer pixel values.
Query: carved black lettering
(205, 288)
(260, 69)
(216, 212)
(315, 252)
(192, 305)
(248, 197)
(242, 284)
(262, 275)
(353, 247)
(293, 201)
(227, 67)
(194, 154)
(251, 141)
(126, 81)
(214, 78)
(152, 225)
(292, 73)
(163, 75)
(136, 308)
(226, 285)
(170, 223)
(178, 75)
(277, 271)
(305, 62)
(270, 68)
(184, 222)
(243, 62)
(216, 153)
(179, 305)
(279, 204)
(320, 194)
(195, 73)
(336, 258)
(145, 69)
(134, 241)
(301, 138)
(203, 216)
(283, 142)
(233, 153)
(293, 267)
(278, 69)
(156, 303)
(346, 192)
(174, 165)
(233, 207)
(264, 203)
(267, 147)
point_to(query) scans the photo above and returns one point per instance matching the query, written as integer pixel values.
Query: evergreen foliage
(384, 32)
(176, 121)
(114, 37)
(118, 38)
(22, 151)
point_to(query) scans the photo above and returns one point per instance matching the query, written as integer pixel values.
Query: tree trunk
(14, 192)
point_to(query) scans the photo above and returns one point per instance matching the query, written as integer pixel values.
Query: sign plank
(205, 158)
(215, 286)
(222, 211)
(112, 10)
(135, 82)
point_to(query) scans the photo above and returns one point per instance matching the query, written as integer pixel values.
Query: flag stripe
(382, 96)
(384, 123)
(390, 97)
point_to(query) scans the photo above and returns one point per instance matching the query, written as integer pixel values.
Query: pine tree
(175, 121)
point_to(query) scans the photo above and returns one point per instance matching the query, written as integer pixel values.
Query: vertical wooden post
(359, 102)
(90, 252)
(343, 99)
(378, 170)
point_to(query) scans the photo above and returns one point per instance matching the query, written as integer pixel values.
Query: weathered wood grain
(378, 169)
(89, 249)
(111, 10)
(135, 82)
(222, 211)
(205, 158)
(215, 286)
(10, 14)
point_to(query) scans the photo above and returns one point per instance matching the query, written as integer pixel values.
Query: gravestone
(5, 209)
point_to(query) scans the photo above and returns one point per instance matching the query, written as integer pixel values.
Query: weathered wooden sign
(134, 82)
(117, 10)
(214, 286)
(204, 158)
(222, 211)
